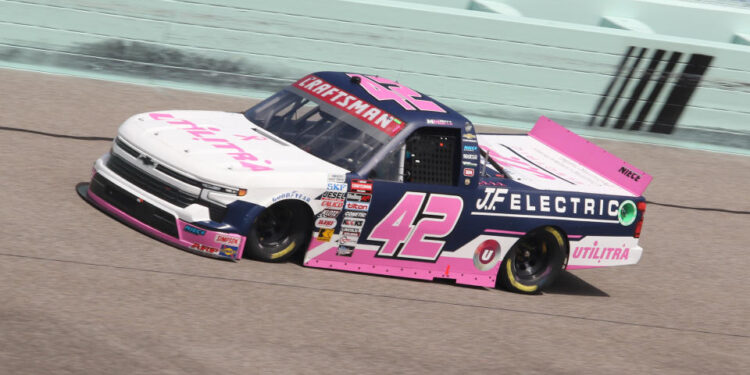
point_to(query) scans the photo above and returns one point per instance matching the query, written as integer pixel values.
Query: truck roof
(405, 105)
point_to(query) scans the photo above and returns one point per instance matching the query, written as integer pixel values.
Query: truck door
(415, 199)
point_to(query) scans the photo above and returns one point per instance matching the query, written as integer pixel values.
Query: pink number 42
(385, 89)
(439, 218)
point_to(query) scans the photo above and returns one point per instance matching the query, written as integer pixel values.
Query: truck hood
(223, 148)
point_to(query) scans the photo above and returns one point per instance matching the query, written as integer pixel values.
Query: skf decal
(336, 186)
(469, 172)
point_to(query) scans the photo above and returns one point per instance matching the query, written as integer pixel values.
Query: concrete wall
(502, 63)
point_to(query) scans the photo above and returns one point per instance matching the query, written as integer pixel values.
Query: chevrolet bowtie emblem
(146, 160)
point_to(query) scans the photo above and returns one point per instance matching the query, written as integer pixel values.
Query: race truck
(361, 173)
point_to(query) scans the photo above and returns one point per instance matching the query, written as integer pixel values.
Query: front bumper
(145, 215)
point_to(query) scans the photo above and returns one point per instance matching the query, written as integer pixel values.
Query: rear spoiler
(591, 156)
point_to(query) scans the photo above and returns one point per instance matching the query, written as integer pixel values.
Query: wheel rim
(531, 260)
(274, 226)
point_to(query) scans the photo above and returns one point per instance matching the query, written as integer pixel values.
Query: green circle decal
(627, 213)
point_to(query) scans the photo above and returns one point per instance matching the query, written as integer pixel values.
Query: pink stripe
(365, 261)
(206, 239)
(574, 236)
(504, 232)
(591, 156)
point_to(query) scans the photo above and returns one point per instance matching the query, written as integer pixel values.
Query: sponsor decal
(351, 231)
(545, 203)
(291, 195)
(212, 136)
(468, 164)
(433, 121)
(324, 222)
(469, 137)
(630, 174)
(357, 206)
(347, 240)
(227, 239)
(336, 186)
(194, 230)
(336, 178)
(492, 196)
(354, 223)
(355, 214)
(468, 128)
(229, 251)
(490, 183)
(469, 172)
(332, 203)
(486, 255)
(325, 235)
(351, 104)
(471, 156)
(329, 213)
(470, 148)
(204, 248)
(358, 197)
(337, 195)
(345, 250)
(467, 182)
(606, 253)
(384, 89)
(361, 186)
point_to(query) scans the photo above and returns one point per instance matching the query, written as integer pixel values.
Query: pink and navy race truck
(360, 173)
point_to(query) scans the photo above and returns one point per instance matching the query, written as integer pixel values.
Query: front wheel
(533, 262)
(278, 232)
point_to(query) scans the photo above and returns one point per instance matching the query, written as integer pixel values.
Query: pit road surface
(81, 293)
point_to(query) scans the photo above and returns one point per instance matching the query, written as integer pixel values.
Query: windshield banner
(351, 104)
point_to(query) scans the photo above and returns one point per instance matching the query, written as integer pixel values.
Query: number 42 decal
(438, 219)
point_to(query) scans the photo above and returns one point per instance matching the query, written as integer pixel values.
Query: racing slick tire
(534, 262)
(279, 231)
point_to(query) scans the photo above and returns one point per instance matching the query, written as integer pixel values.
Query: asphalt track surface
(81, 293)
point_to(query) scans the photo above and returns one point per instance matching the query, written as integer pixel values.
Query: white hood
(223, 148)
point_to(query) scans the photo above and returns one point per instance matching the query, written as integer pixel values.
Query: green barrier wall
(662, 71)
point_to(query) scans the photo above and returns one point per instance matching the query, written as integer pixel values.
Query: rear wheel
(278, 232)
(533, 262)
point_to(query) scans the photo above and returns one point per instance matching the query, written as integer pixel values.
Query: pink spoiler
(591, 156)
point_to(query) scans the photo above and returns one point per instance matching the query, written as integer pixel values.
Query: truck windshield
(314, 129)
